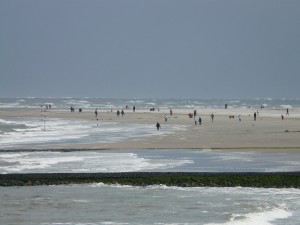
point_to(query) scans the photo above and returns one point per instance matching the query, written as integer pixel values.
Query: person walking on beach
(212, 116)
(157, 125)
(166, 118)
(171, 112)
(200, 120)
(133, 108)
(255, 116)
(195, 113)
(287, 111)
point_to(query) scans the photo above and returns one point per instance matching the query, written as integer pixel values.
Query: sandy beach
(268, 132)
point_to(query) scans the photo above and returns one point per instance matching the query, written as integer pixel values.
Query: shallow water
(146, 160)
(113, 204)
(35, 133)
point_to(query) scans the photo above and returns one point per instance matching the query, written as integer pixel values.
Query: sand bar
(268, 132)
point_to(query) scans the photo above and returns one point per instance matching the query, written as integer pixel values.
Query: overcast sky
(150, 48)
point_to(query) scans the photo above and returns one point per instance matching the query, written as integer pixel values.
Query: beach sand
(268, 132)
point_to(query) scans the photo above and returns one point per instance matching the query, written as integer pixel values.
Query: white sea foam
(83, 162)
(286, 106)
(88, 103)
(234, 101)
(236, 156)
(9, 105)
(21, 164)
(48, 130)
(135, 101)
(8, 122)
(13, 155)
(262, 218)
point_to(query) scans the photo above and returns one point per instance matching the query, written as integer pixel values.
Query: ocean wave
(2, 121)
(265, 217)
(144, 103)
(286, 106)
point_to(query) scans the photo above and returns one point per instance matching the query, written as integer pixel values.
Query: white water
(112, 103)
(172, 160)
(31, 132)
(82, 162)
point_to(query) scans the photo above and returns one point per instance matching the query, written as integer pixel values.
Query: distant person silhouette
(212, 116)
(157, 125)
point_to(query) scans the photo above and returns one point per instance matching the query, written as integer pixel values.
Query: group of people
(158, 126)
(72, 109)
(122, 113)
(197, 120)
(48, 106)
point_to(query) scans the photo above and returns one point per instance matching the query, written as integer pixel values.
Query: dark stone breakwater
(181, 179)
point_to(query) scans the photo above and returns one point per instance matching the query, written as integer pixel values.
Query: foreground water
(111, 204)
(98, 204)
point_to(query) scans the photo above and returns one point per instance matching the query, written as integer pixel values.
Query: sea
(141, 103)
(97, 204)
(23, 149)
